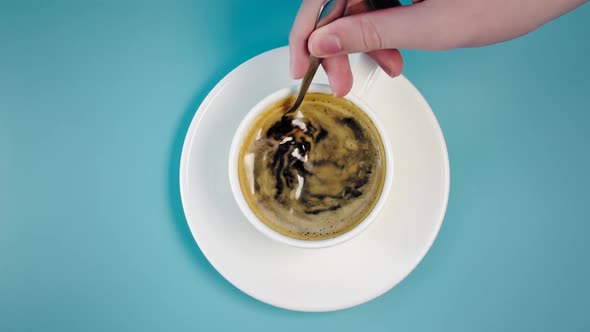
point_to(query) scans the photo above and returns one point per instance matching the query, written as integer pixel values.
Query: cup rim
(241, 131)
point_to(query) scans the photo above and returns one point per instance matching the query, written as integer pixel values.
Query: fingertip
(341, 91)
(299, 61)
(398, 64)
(339, 74)
(291, 67)
(341, 84)
(300, 69)
(389, 60)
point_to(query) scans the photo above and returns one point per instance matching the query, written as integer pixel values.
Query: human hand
(427, 25)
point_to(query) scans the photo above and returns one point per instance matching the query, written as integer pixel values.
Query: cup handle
(364, 73)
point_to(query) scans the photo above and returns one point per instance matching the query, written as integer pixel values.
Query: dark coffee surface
(314, 174)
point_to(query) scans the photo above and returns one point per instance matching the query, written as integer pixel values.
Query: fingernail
(324, 45)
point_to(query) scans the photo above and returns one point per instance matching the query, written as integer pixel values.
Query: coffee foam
(315, 174)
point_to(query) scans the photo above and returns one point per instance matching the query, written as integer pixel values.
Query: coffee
(313, 174)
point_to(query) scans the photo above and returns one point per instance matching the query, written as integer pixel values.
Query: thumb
(419, 26)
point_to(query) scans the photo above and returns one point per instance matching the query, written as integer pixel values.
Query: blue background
(95, 100)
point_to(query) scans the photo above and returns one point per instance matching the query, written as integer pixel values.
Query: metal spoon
(330, 11)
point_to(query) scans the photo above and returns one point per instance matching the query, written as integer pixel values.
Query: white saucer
(314, 279)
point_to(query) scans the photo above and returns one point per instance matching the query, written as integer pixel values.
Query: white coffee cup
(364, 75)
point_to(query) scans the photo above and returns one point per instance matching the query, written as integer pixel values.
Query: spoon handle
(314, 63)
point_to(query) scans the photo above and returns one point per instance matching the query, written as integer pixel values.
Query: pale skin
(426, 25)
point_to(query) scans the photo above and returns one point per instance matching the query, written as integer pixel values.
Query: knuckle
(370, 35)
